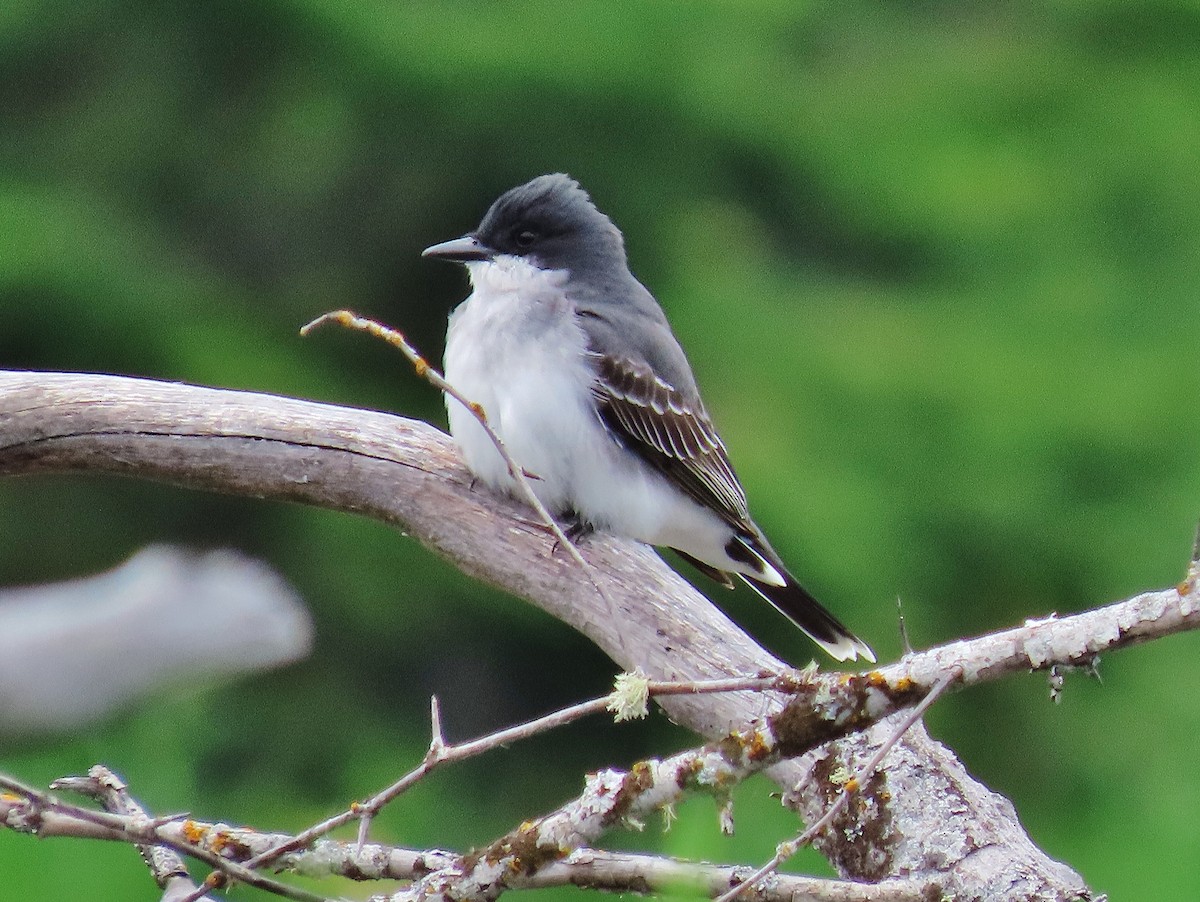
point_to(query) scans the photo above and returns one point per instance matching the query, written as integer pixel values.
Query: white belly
(515, 348)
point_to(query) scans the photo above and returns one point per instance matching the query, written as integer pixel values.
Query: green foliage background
(937, 266)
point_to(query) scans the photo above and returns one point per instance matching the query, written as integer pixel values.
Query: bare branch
(623, 872)
(614, 871)
(166, 866)
(824, 707)
(408, 474)
(787, 849)
(442, 753)
(30, 810)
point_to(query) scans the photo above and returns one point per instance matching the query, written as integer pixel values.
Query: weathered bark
(928, 817)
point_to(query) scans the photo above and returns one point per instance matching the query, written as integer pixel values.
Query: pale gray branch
(937, 822)
(614, 871)
(28, 810)
(645, 873)
(440, 753)
(165, 864)
(171, 617)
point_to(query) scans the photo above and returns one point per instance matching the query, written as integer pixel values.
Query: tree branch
(929, 818)
(33, 811)
(613, 871)
(441, 753)
(166, 866)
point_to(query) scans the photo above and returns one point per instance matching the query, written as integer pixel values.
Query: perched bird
(579, 373)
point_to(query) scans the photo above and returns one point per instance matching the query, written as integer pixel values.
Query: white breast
(514, 346)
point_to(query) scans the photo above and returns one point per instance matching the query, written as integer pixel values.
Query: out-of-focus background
(937, 266)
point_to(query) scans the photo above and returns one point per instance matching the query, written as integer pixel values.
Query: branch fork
(408, 474)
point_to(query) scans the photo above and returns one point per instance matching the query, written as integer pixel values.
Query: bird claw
(575, 529)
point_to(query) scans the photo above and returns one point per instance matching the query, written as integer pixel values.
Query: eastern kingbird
(576, 367)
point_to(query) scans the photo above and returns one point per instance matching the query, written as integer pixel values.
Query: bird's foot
(575, 528)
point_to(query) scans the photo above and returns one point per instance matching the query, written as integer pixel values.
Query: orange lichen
(757, 748)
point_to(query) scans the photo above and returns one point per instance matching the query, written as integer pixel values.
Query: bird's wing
(671, 432)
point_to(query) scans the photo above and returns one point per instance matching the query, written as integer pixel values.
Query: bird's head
(549, 223)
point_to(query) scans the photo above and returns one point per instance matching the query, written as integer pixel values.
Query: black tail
(795, 603)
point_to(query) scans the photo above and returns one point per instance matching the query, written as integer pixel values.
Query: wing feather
(671, 432)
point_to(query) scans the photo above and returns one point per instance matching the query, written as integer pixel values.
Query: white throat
(506, 273)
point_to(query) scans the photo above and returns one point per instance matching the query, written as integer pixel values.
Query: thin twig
(824, 708)
(148, 833)
(787, 849)
(165, 864)
(903, 625)
(438, 742)
(426, 371)
(440, 752)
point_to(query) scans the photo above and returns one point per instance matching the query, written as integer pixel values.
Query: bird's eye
(526, 238)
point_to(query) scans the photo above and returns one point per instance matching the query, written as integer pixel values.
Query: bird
(578, 372)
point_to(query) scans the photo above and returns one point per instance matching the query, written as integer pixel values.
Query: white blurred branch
(72, 652)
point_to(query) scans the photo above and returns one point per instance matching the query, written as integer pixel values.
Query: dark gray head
(551, 222)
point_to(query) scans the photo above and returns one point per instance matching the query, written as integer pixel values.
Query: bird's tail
(749, 550)
(794, 602)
